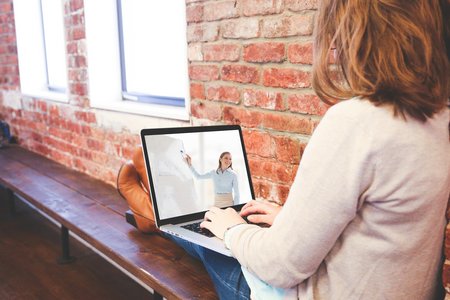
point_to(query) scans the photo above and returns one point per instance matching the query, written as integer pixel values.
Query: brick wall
(249, 64)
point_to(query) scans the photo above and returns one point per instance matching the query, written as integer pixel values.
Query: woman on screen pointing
(224, 178)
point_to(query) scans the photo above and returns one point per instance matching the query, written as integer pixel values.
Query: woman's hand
(260, 212)
(219, 220)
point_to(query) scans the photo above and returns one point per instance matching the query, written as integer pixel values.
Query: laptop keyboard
(196, 228)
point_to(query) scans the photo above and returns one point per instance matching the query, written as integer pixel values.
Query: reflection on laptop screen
(194, 168)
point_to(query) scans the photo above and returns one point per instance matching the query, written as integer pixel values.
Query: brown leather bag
(132, 184)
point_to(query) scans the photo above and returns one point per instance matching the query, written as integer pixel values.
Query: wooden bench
(94, 211)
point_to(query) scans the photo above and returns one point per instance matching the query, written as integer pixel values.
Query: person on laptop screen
(224, 178)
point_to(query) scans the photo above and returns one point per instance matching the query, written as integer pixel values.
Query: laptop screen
(193, 168)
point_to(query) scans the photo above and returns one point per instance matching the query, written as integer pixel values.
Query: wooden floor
(29, 248)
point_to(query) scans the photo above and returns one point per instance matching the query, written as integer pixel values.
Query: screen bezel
(192, 129)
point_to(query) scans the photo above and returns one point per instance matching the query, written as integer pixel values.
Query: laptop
(183, 189)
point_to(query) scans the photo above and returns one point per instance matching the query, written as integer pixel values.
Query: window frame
(140, 97)
(105, 70)
(33, 72)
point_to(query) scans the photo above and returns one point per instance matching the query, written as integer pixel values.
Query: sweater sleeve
(334, 171)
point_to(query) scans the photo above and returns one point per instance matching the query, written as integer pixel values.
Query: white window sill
(47, 95)
(146, 109)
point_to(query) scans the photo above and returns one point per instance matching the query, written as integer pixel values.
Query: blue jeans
(225, 272)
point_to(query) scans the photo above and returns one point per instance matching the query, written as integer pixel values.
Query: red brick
(95, 144)
(300, 53)
(80, 142)
(295, 25)
(58, 144)
(288, 149)
(203, 32)
(72, 47)
(78, 75)
(60, 133)
(240, 73)
(76, 5)
(197, 91)
(288, 122)
(195, 52)
(241, 29)
(77, 33)
(61, 157)
(127, 152)
(100, 157)
(203, 72)
(220, 10)
(206, 110)
(264, 99)
(447, 242)
(307, 104)
(286, 78)
(299, 5)
(79, 100)
(36, 136)
(54, 111)
(261, 7)
(74, 127)
(258, 143)
(77, 20)
(38, 148)
(194, 13)
(223, 93)
(272, 170)
(242, 116)
(78, 89)
(85, 116)
(6, 8)
(41, 106)
(265, 190)
(77, 61)
(446, 274)
(264, 52)
(282, 193)
(261, 188)
(221, 52)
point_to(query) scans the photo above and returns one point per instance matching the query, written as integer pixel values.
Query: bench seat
(94, 211)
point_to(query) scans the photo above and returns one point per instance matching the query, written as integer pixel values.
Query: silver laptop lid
(182, 193)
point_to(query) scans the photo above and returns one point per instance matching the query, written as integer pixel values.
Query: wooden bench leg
(65, 247)
(157, 296)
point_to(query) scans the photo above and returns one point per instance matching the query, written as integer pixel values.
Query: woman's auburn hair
(391, 52)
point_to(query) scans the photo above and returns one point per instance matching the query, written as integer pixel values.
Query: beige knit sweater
(365, 216)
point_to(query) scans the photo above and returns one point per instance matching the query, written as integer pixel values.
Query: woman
(365, 216)
(224, 178)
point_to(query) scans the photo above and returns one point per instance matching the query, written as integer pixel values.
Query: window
(54, 45)
(152, 36)
(41, 48)
(137, 56)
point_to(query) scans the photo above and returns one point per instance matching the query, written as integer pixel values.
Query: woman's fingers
(219, 220)
(256, 207)
(258, 219)
(248, 204)
(261, 213)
